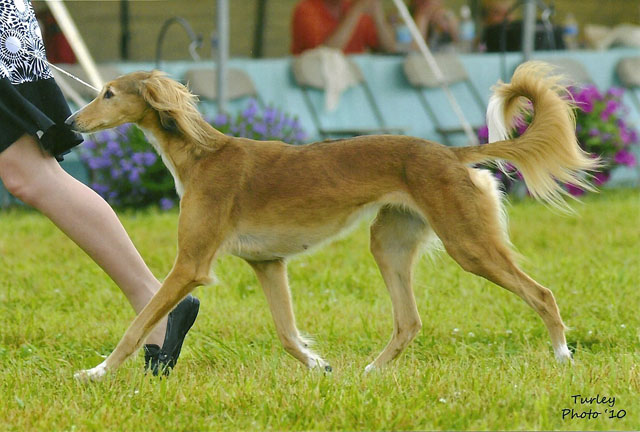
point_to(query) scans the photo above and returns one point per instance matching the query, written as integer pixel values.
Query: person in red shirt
(352, 26)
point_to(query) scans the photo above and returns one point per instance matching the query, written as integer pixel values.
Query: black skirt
(37, 108)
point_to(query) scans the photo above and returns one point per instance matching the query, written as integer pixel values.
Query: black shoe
(179, 322)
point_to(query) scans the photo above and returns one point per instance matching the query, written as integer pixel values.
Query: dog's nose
(71, 121)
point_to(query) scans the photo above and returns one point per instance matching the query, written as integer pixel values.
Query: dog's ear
(168, 122)
(176, 106)
(158, 91)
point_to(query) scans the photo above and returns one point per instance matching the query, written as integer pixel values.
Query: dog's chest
(166, 160)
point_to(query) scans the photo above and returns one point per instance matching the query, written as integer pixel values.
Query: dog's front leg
(177, 285)
(273, 278)
(199, 237)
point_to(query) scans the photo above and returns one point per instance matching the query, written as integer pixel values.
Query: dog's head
(130, 98)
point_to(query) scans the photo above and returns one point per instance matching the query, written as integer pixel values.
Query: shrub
(601, 130)
(267, 124)
(125, 170)
(127, 173)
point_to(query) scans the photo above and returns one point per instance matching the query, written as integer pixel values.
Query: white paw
(563, 355)
(93, 374)
(319, 364)
(370, 368)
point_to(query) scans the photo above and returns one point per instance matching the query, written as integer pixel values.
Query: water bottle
(570, 32)
(467, 29)
(403, 37)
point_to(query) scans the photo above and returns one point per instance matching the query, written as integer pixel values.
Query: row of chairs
(417, 73)
(305, 71)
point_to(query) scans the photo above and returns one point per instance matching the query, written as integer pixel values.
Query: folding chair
(422, 78)
(573, 70)
(308, 75)
(202, 82)
(628, 71)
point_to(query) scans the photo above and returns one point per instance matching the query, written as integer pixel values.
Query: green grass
(482, 360)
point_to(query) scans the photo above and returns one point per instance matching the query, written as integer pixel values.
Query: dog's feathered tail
(548, 153)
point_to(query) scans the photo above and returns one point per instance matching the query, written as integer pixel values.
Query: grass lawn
(482, 360)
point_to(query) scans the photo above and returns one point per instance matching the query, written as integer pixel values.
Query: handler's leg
(37, 179)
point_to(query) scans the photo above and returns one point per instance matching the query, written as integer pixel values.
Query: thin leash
(59, 69)
(70, 75)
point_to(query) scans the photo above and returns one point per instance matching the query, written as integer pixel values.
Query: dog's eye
(108, 94)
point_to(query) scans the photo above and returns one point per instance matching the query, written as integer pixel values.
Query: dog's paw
(563, 355)
(370, 368)
(320, 365)
(93, 374)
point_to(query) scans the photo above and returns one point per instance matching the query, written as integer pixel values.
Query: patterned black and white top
(21, 48)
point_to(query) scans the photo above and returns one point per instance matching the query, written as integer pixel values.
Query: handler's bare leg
(37, 179)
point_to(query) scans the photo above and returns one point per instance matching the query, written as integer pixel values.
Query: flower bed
(601, 129)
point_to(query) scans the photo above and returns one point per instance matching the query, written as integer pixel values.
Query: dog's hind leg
(466, 217)
(396, 237)
(273, 278)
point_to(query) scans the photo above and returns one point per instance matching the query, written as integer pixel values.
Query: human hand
(367, 6)
(428, 8)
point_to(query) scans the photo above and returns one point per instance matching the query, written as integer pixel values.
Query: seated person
(502, 32)
(497, 12)
(352, 26)
(437, 24)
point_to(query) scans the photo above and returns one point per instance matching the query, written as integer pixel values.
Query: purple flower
(107, 135)
(100, 189)
(522, 128)
(138, 158)
(624, 157)
(220, 120)
(615, 92)
(124, 128)
(611, 107)
(600, 178)
(586, 97)
(98, 162)
(94, 163)
(585, 105)
(594, 132)
(144, 158)
(113, 148)
(89, 145)
(483, 134)
(300, 136)
(251, 110)
(149, 158)
(260, 128)
(134, 175)
(166, 203)
(270, 114)
(126, 165)
(625, 136)
(287, 122)
(574, 190)
(276, 130)
(116, 173)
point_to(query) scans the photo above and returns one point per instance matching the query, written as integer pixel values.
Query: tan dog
(267, 201)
